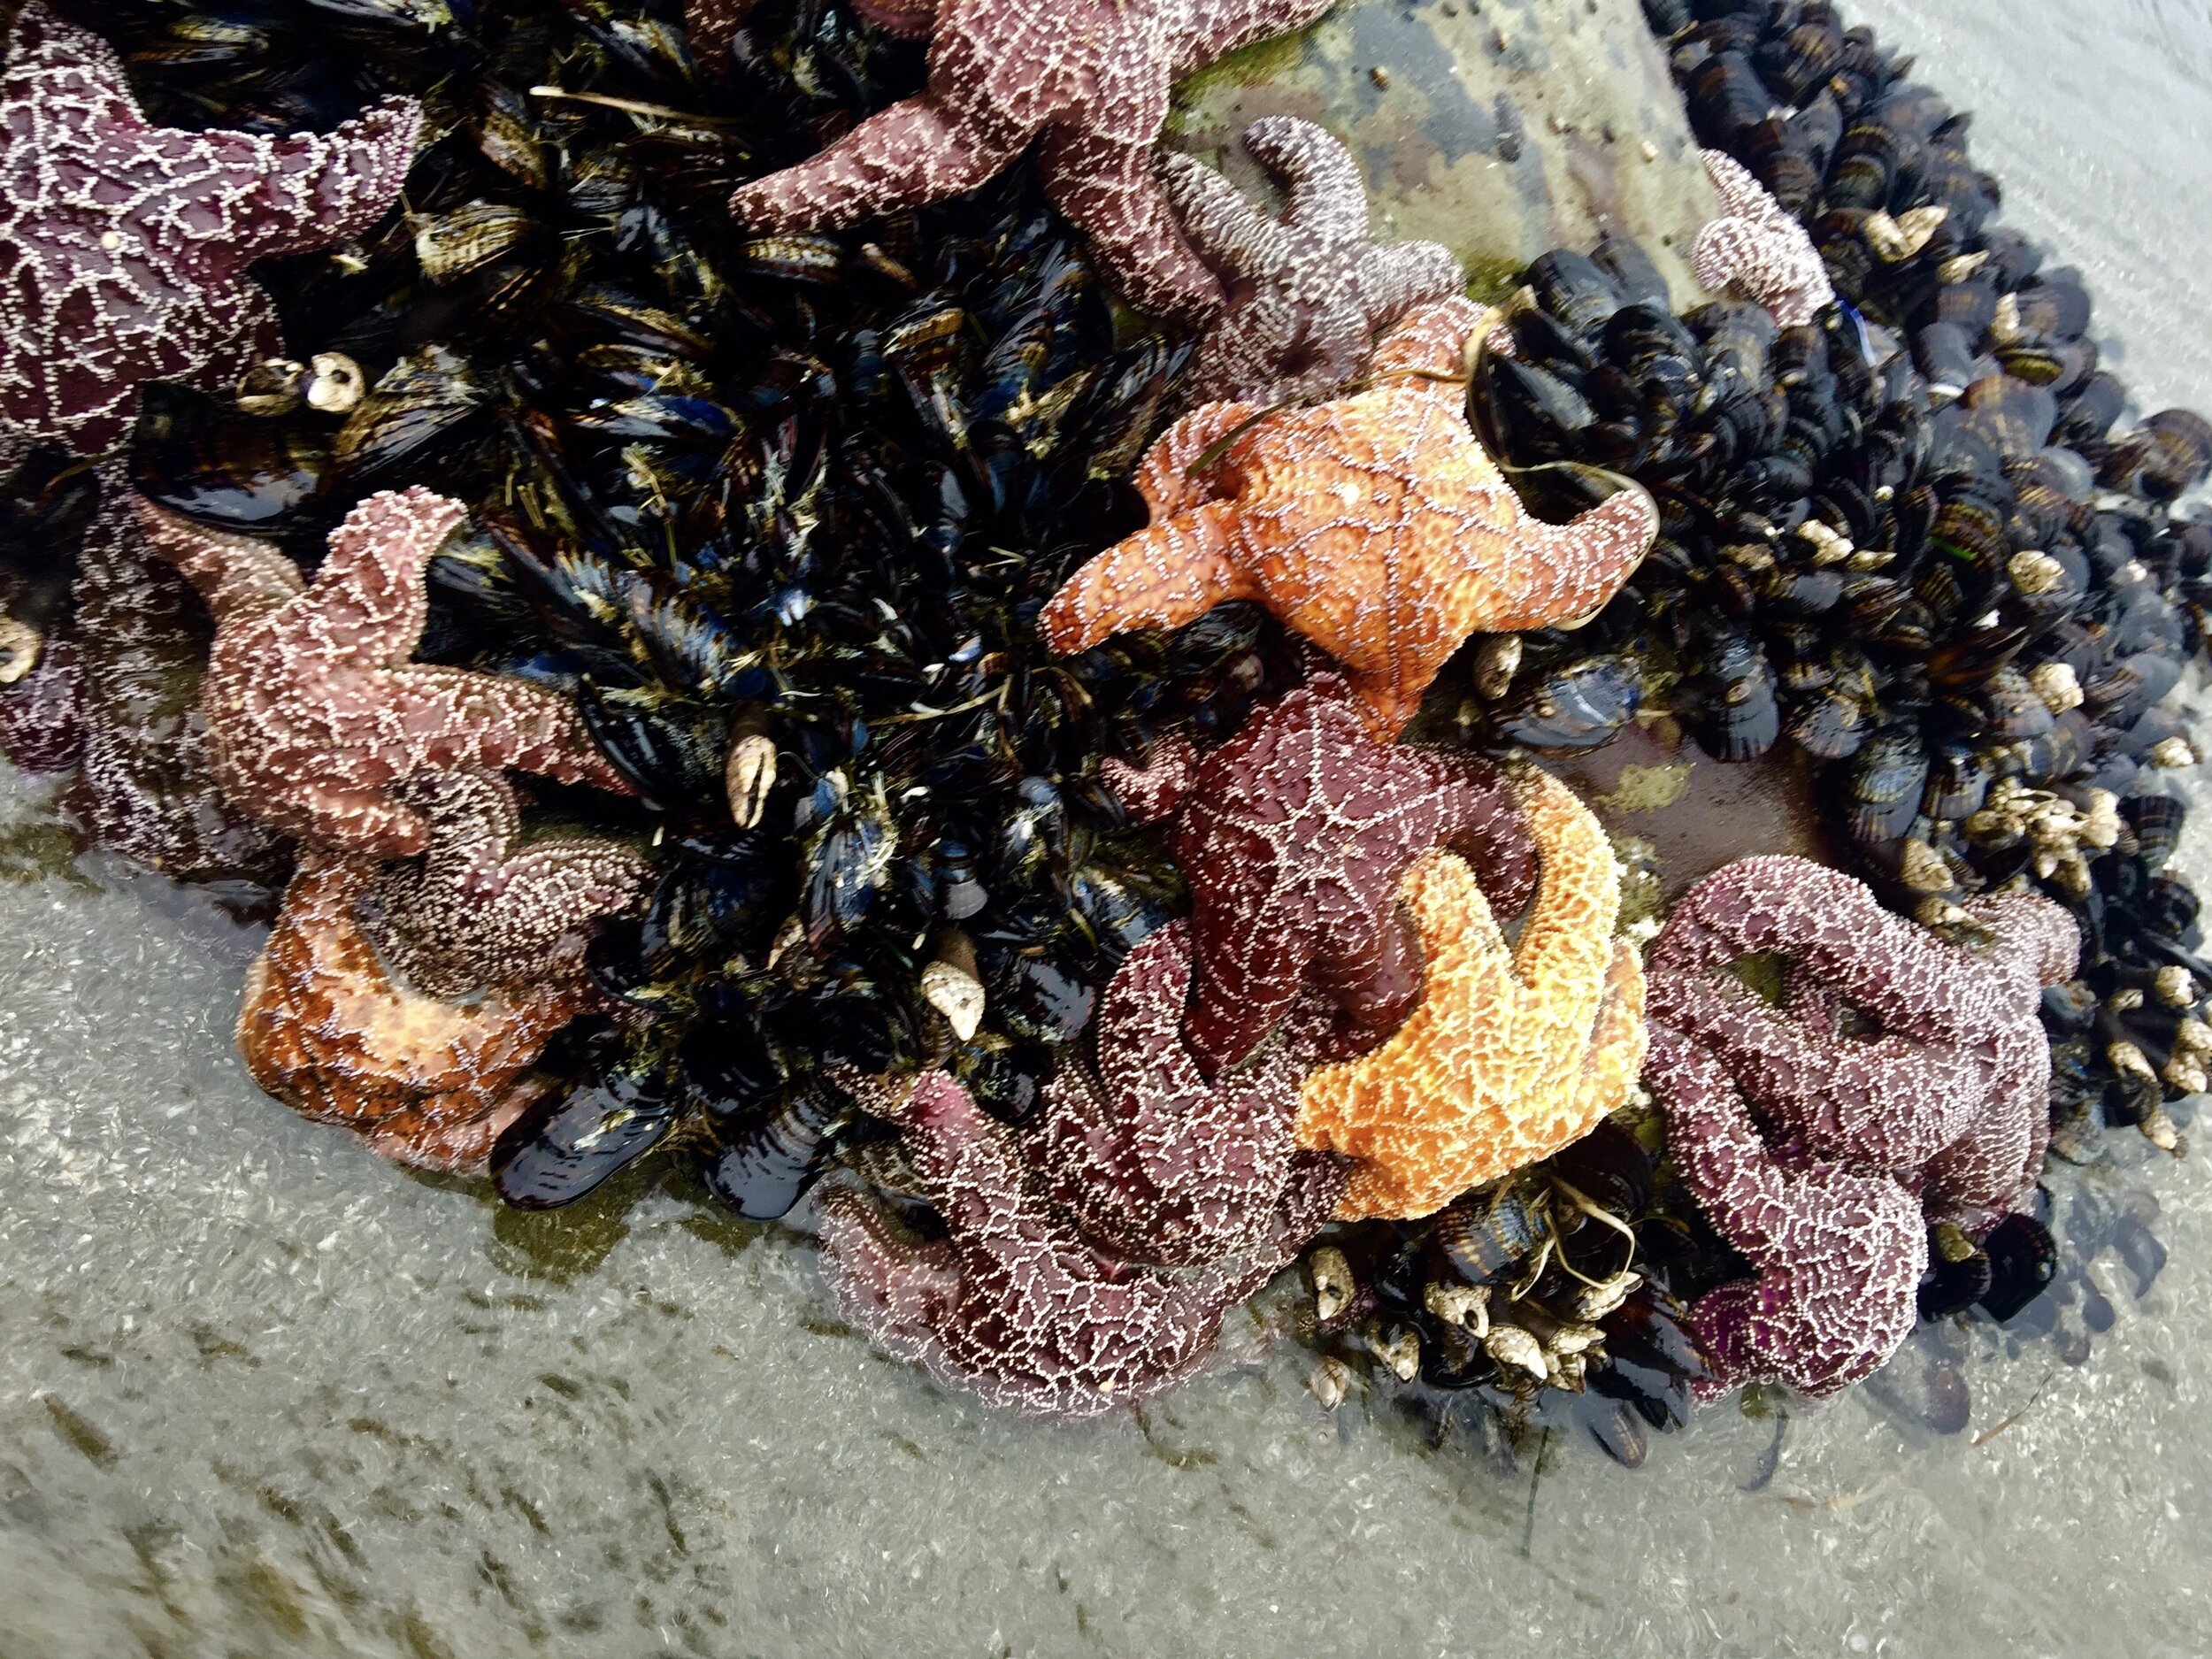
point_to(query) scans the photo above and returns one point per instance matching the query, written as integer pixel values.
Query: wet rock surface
(1499, 129)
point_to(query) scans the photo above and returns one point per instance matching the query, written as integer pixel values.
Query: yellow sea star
(1375, 525)
(1513, 1052)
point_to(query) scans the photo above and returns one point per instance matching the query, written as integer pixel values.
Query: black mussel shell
(2022, 1260)
(205, 460)
(1888, 780)
(1617, 1426)
(760, 1169)
(547, 1159)
(2138, 1248)
(1486, 1237)
(1951, 1287)
(1582, 705)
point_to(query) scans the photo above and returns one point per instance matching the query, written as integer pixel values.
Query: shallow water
(260, 1395)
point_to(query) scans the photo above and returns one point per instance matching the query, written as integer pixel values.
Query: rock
(1498, 127)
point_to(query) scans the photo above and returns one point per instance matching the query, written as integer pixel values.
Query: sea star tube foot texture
(1838, 1253)
(1085, 80)
(1013, 1305)
(328, 1031)
(1295, 836)
(1513, 1052)
(1309, 289)
(1155, 1165)
(1374, 524)
(477, 909)
(315, 710)
(124, 246)
(1944, 1080)
(1758, 249)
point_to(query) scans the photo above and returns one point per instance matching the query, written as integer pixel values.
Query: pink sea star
(314, 709)
(1154, 1164)
(1308, 291)
(123, 246)
(1086, 79)
(1838, 1253)
(476, 912)
(1944, 1084)
(1758, 248)
(1012, 1304)
(1295, 835)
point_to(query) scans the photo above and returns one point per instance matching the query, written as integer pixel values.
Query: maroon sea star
(1838, 1253)
(1308, 291)
(1295, 835)
(41, 715)
(314, 708)
(123, 246)
(146, 786)
(474, 912)
(1947, 1088)
(1088, 79)
(1012, 1304)
(1154, 1164)
(1758, 248)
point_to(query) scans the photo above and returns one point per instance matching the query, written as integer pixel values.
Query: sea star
(1374, 524)
(41, 715)
(1513, 1051)
(1154, 1164)
(123, 246)
(313, 706)
(475, 912)
(1012, 1304)
(1088, 79)
(1840, 1253)
(1308, 291)
(1295, 836)
(1943, 1082)
(328, 1032)
(146, 786)
(1758, 248)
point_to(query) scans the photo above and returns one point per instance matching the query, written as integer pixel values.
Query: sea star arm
(312, 189)
(1431, 343)
(1400, 275)
(1164, 576)
(1618, 1040)
(494, 722)
(1327, 197)
(238, 576)
(1221, 27)
(1153, 791)
(1588, 558)
(368, 598)
(1481, 824)
(899, 1289)
(915, 151)
(1232, 235)
(1169, 479)
(1716, 1145)
(1106, 187)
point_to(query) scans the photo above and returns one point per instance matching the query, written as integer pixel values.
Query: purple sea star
(1012, 1304)
(1295, 835)
(146, 786)
(1758, 248)
(475, 912)
(1308, 291)
(1086, 79)
(1838, 1253)
(1154, 1164)
(314, 709)
(123, 246)
(41, 715)
(1945, 1086)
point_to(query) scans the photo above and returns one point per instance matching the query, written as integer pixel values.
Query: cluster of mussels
(742, 647)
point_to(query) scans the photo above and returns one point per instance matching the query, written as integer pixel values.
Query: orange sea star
(1513, 1052)
(328, 1031)
(1375, 525)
